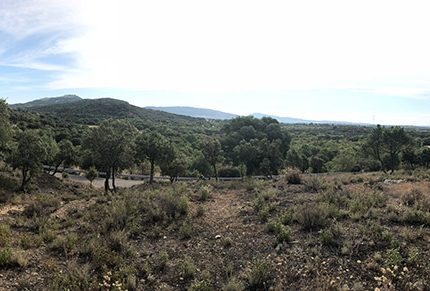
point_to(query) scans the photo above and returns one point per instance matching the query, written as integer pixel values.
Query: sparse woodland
(341, 208)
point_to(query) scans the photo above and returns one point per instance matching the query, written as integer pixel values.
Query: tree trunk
(113, 180)
(24, 177)
(107, 181)
(56, 168)
(215, 172)
(25, 180)
(151, 176)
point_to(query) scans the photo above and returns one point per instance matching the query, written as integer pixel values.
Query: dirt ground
(232, 235)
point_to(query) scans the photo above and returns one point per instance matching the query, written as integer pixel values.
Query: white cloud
(227, 46)
(250, 45)
(23, 18)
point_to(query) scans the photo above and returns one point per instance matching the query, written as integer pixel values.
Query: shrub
(64, 244)
(412, 197)
(416, 217)
(202, 285)
(205, 193)
(75, 277)
(335, 197)
(186, 230)
(9, 259)
(163, 260)
(293, 177)
(188, 270)
(313, 184)
(282, 232)
(183, 205)
(330, 237)
(4, 235)
(312, 217)
(31, 241)
(259, 277)
(233, 285)
(200, 211)
(393, 258)
(42, 205)
(263, 213)
(361, 203)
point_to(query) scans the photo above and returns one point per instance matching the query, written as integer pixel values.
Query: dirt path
(6, 209)
(99, 182)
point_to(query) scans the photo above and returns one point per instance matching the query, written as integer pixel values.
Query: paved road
(100, 182)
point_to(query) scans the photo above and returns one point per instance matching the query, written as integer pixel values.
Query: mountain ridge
(46, 101)
(66, 105)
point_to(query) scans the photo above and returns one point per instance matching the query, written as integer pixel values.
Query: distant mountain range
(47, 101)
(73, 106)
(195, 112)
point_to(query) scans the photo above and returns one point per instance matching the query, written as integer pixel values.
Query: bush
(412, 198)
(282, 232)
(200, 211)
(393, 258)
(202, 285)
(42, 205)
(163, 260)
(205, 193)
(9, 259)
(330, 237)
(312, 217)
(313, 184)
(75, 277)
(4, 235)
(335, 197)
(233, 285)
(361, 203)
(416, 217)
(64, 244)
(186, 230)
(188, 270)
(259, 277)
(293, 177)
(31, 241)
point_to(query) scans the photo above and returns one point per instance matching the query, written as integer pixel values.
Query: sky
(360, 61)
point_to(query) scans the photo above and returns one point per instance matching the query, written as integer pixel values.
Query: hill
(93, 111)
(195, 112)
(181, 129)
(282, 119)
(66, 99)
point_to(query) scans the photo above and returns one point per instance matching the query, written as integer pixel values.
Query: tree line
(243, 146)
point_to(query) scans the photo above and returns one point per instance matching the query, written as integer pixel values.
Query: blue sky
(359, 61)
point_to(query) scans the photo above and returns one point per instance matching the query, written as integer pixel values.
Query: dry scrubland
(339, 232)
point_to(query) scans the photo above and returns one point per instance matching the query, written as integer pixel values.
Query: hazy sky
(337, 60)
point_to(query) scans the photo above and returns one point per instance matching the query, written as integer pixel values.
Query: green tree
(91, 174)
(174, 165)
(425, 158)
(248, 153)
(411, 157)
(28, 156)
(395, 140)
(154, 147)
(5, 127)
(51, 148)
(374, 145)
(65, 156)
(110, 148)
(297, 159)
(212, 152)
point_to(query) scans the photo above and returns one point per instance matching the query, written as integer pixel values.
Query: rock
(217, 236)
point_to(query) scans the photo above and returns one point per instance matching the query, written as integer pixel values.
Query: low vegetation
(252, 235)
